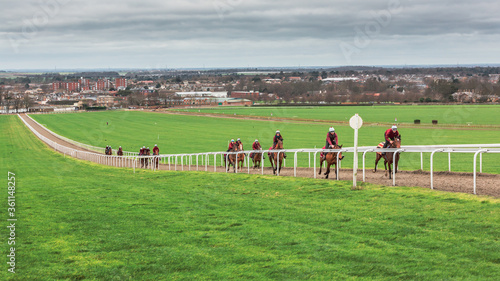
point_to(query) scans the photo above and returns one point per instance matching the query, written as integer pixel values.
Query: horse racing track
(487, 184)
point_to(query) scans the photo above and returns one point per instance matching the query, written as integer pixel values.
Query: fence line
(153, 162)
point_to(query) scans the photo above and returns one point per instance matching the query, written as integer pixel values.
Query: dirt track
(487, 184)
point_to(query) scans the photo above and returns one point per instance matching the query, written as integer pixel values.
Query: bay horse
(241, 158)
(389, 157)
(273, 157)
(256, 159)
(230, 159)
(331, 159)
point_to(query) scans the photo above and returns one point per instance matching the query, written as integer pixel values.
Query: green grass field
(193, 134)
(445, 114)
(82, 221)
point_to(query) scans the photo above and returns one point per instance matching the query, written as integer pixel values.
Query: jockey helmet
(156, 145)
(277, 131)
(331, 129)
(232, 140)
(238, 139)
(256, 140)
(394, 127)
(143, 147)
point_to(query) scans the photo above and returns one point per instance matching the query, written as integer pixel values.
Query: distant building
(202, 94)
(243, 94)
(102, 84)
(105, 101)
(121, 83)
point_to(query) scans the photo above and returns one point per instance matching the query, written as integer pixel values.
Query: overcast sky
(48, 34)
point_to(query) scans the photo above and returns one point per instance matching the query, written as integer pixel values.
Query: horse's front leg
(327, 173)
(320, 165)
(390, 171)
(376, 161)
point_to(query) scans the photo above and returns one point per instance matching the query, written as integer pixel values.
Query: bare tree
(27, 102)
(17, 102)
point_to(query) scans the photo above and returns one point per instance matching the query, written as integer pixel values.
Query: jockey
(147, 151)
(231, 145)
(238, 143)
(332, 139)
(255, 146)
(120, 151)
(142, 151)
(277, 137)
(390, 135)
(156, 150)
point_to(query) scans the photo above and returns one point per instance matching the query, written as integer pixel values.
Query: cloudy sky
(49, 34)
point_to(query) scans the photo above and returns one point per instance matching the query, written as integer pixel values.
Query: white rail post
(236, 160)
(227, 159)
(262, 161)
(449, 161)
(215, 162)
(309, 159)
(364, 158)
(432, 166)
(394, 170)
(277, 163)
(295, 164)
(338, 164)
(480, 152)
(421, 161)
(480, 162)
(316, 152)
(206, 162)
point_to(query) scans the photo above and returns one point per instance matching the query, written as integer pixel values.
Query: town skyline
(67, 34)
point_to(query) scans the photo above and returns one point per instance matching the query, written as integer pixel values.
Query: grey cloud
(139, 27)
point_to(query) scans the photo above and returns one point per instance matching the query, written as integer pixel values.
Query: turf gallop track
(487, 184)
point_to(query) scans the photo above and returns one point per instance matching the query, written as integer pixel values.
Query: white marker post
(355, 122)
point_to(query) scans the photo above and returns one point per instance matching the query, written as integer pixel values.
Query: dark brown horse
(273, 157)
(389, 158)
(156, 159)
(331, 159)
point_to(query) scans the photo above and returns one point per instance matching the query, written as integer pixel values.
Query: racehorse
(389, 157)
(146, 160)
(156, 159)
(256, 159)
(273, 157)
(241, 157)
(331, 159)
(230, 159)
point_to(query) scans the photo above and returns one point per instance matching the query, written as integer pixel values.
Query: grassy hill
(78, 220)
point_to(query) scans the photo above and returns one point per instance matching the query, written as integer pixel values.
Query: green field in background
(445, 114)
(82, 221)
(194, 134)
